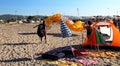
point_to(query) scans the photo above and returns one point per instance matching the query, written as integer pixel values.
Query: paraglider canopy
(74, 26)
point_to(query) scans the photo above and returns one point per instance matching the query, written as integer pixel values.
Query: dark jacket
(41, 30)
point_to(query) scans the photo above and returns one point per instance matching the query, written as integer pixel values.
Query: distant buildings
(36, 19)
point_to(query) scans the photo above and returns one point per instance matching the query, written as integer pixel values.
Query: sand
(20, 45)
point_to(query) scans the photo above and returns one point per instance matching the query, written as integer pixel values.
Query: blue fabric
(65, 31)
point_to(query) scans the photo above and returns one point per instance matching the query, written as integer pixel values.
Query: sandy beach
(20, 45)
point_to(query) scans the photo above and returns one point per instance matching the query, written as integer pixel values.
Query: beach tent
(103, 34)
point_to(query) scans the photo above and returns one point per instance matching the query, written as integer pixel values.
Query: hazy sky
(66, 7)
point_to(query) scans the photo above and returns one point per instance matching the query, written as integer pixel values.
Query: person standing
(119, 24)
(41, 31)
(115, 22)
(88, 27)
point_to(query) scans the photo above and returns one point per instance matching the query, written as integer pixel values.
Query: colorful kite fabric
(75, 26)
(65, 31)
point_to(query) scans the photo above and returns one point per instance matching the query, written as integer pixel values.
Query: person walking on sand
(41, 31)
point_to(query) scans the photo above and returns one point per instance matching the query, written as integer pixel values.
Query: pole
(117, 13)
(108, 12)
(16, 15)
(78, 12)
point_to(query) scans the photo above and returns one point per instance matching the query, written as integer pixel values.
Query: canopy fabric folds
(74, 26)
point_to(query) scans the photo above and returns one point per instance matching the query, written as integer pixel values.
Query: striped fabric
(65, 31)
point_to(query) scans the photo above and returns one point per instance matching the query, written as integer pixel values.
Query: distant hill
(7, 17)
(10, 17)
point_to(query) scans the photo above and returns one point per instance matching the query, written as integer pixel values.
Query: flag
(99, 37)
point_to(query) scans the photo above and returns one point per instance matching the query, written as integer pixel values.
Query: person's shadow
(16, 60)
(27, 33)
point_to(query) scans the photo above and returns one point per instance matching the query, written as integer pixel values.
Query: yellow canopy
(77, 26)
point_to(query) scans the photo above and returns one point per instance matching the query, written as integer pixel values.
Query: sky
(64, 7)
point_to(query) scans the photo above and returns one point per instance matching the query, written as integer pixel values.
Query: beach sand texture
(20, 45)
